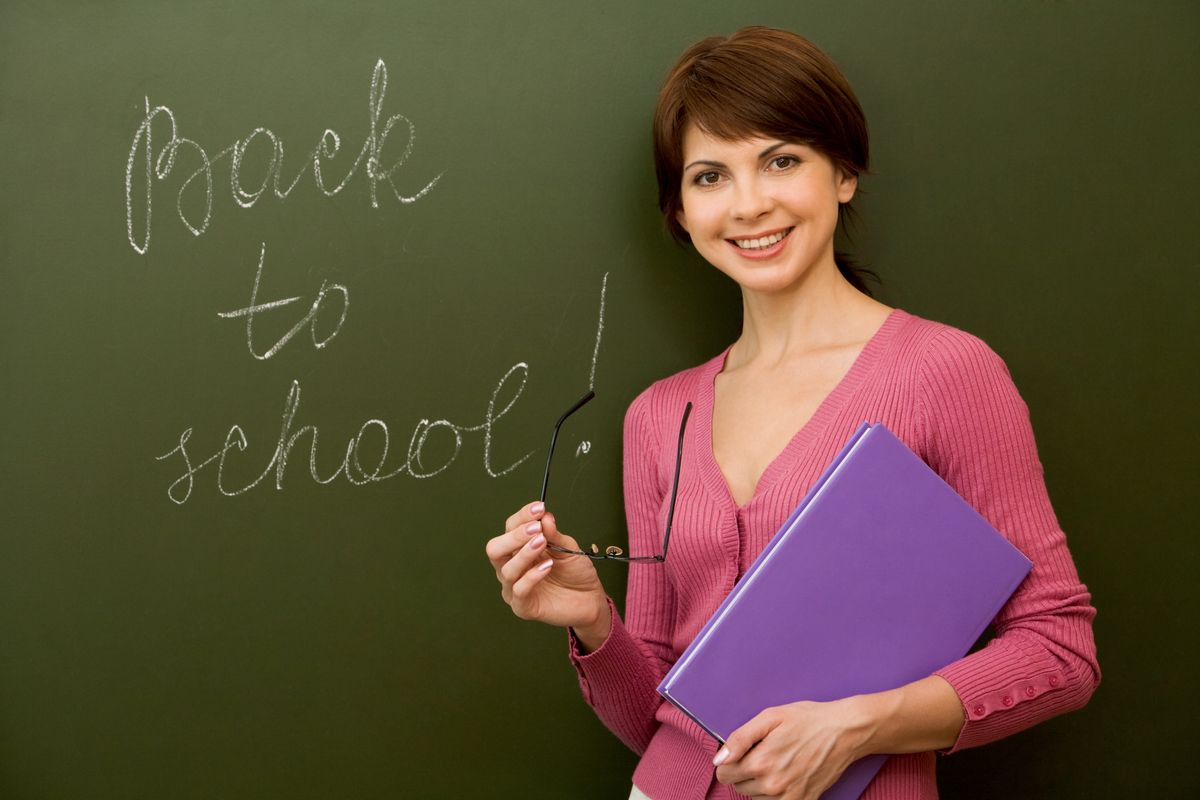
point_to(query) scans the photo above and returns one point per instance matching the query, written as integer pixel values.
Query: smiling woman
(762, 212)
(759, 142)
(717, 92)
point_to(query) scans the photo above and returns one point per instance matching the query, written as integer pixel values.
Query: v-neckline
(711, 471)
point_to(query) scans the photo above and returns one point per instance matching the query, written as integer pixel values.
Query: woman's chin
(767, 280)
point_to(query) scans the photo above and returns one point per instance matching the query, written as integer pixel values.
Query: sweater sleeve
(978, 437)
(620, 678)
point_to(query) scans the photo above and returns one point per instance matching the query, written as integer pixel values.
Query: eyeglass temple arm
(687, 411)
(554, 438)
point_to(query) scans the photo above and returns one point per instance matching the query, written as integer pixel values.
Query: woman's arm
(799, 750)
(924, 715)
(621, 662)
(978, 437)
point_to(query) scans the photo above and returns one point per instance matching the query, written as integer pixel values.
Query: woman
(759, 142)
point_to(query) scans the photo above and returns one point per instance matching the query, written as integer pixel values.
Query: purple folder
(882, 575)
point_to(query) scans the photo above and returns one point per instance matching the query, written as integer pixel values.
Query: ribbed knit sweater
(951, 399)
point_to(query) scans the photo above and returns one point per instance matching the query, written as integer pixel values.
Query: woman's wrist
(874, 715)
(594, 633)
(921, 716)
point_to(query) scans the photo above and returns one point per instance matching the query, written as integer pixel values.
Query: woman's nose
(750, 200)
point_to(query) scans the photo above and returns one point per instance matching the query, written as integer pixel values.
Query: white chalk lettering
(309, 319)
(142, 167)
(350, 466)
(599, 333)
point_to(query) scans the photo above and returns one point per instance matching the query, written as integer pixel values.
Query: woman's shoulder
(966, 397)
(661, 402)
(947, 354)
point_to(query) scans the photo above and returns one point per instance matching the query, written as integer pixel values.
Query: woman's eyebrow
(763, 154)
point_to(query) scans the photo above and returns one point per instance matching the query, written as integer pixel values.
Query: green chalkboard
(294, 292)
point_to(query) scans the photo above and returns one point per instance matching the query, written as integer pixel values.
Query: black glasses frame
(614, 553)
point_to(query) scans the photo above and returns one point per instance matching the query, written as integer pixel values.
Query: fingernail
(533, 527)
(537, 508)
(721, 756)
(545, 565)
(534, 544)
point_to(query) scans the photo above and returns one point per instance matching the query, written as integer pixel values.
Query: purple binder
(882, 575)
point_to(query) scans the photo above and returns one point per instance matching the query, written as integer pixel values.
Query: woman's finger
(503, 547)
(528, 513)
(748, 735)
(527, 582)
(554, 535)
(523, 560)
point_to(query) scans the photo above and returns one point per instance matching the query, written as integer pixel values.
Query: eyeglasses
(615, 553)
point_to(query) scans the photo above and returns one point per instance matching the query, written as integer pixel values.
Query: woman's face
(763, 211)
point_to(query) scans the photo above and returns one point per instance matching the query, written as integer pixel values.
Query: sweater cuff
(611, 664)
(996, 685)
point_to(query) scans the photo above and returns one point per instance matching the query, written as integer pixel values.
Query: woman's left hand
(796, 751)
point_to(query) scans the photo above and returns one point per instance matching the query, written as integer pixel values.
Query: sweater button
(1030, 691)
(1054, 680)
(979, 710)
(1008, 701)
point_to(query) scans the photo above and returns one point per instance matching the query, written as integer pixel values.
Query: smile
(762, 246)
(762, 242)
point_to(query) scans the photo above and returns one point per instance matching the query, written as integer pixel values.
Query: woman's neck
(825, 311)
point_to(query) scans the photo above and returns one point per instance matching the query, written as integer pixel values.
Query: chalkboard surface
(294, 292)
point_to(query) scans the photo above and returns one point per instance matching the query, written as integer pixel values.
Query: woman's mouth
(762, 246)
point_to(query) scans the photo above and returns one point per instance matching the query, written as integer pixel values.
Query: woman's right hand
(540, 584)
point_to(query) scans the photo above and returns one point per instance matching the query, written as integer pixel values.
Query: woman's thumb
(554, 535)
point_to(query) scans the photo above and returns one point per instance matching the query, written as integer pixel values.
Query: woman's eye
(783, 162)
(707, 179)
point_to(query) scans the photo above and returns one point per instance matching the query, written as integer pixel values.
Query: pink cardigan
(950, 398)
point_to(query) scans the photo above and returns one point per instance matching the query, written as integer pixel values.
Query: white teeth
(759, 244)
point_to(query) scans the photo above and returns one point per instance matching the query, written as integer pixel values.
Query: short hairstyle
(759, 82)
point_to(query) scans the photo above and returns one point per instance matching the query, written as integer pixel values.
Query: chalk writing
(599, 333)
(350, 467)
(375, 432)
(309, 319)
(143, 167)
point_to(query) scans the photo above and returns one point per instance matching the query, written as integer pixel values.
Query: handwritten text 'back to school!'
(326, 314)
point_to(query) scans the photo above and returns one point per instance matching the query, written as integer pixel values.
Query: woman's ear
(846, 185)
(682, 220)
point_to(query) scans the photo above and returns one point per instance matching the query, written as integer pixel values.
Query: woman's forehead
(698, 142)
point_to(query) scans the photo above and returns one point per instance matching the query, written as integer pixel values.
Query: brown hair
(760, 82)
